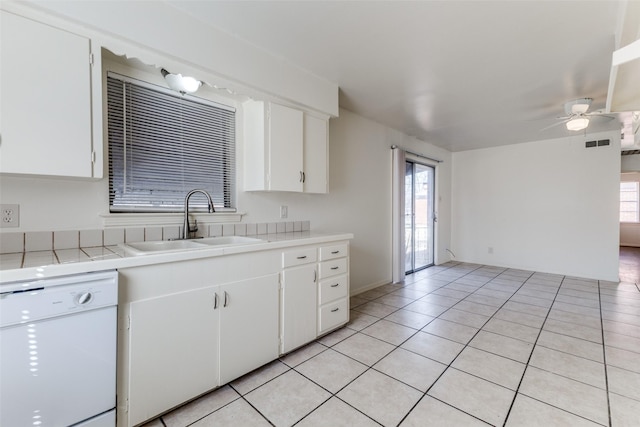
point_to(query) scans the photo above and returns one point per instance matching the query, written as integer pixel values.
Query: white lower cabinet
(248, 325)
(173, 352)
(333, 290)
(299, 303)
(187, 327)
(315, 293)
(181, 344)
(332, 315)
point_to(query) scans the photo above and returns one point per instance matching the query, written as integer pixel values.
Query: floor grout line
(524, 372)
(604, 359)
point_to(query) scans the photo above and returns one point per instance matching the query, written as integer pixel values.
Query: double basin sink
(163, 246)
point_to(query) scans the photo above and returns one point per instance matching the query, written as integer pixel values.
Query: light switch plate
(10, 215)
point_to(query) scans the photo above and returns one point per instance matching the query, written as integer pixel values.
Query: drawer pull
(335, 252)
(302, 257)
(335, 309)
(336, 285)
(335, 268)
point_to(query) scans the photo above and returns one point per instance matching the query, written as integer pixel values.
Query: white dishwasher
(58, 351)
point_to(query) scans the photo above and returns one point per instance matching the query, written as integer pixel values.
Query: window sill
(164, 219)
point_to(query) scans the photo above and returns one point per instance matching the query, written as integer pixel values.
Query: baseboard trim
(369, 287)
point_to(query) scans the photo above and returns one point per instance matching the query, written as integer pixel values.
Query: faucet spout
(186, 228)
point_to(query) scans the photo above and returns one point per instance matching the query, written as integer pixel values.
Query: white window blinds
(161, 145)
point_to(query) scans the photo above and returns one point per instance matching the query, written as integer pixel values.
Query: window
(162, 144)
(629, 201)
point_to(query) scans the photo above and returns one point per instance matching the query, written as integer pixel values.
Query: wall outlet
(284, 211)
(10, 215)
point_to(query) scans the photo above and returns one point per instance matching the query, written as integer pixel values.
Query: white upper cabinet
(285, 149)
(47, 125)
(316, 155)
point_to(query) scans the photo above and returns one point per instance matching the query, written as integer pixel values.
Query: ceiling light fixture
(180, 83)
(578, 123)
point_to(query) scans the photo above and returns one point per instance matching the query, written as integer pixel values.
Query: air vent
(630, 152)
(601, 143)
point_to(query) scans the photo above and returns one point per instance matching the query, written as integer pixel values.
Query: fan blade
(603, 115)
(554, 125)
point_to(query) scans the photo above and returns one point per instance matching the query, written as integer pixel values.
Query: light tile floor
(455, 345)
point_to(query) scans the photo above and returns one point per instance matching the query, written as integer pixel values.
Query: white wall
(548, 206)
(631, 163)
(358, 201)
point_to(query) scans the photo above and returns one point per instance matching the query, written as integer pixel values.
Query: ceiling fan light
(578, 123)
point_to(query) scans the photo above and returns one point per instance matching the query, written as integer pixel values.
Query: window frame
(196, 204)
(636, 190)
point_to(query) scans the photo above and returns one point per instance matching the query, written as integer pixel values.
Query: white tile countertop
(36, 265)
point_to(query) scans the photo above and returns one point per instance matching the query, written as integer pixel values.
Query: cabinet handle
(315, 276)
(226, 299)
(336, 285)
(215, 301)
(335, 252)
(334, 310)
(302, 257)
(304, 177)
(335, 268)
(301, 176)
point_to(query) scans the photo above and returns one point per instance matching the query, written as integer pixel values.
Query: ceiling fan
(576, 117)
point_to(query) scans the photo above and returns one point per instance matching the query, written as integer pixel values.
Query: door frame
(432, 221)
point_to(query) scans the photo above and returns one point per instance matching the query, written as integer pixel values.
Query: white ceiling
(458, 74)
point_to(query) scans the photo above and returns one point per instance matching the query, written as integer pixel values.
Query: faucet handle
(195, 226)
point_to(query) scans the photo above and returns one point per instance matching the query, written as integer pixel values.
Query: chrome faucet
(186, 228)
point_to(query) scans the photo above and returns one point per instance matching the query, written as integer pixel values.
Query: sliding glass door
(419, 216)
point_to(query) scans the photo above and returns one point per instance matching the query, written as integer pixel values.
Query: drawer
(332, 268)
(332, 315)
(333, 251)
(332, 289)
(299, 257)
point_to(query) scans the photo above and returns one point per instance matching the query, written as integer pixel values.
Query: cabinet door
(173, 351)
(316, 155)
(45, 99)
(299, 306)
(248, 325)
(285, 149)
